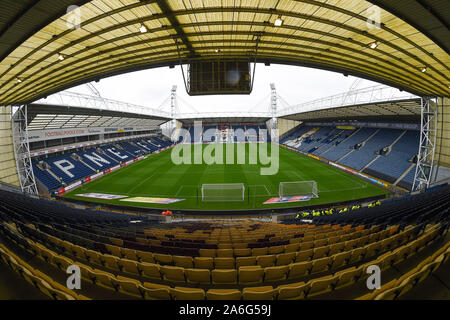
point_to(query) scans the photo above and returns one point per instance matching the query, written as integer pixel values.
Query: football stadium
(341, 194)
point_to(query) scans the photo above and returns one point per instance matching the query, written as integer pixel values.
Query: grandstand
(215, 260)
(362, 149)
(293, 202)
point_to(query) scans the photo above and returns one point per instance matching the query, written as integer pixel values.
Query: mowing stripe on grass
(158, 176)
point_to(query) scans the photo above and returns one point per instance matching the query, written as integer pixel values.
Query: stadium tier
(206, 133)
(388, 154)
(362, 156)
(233, 260)
(56, 171)
(399, 157)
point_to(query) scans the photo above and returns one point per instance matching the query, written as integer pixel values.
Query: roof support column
(22, 151)
(427, 144)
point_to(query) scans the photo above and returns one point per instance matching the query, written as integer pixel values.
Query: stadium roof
(43, 117)
(44, 49)
(398, 111)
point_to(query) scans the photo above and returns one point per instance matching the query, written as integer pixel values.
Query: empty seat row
(222, 270)
(406, 282)
(297, 290)
(37, 279)
(294, 252)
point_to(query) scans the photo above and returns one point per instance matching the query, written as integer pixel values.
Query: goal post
(223, 192)
(298, 188)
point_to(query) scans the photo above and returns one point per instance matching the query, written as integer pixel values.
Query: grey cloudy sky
(294, 84)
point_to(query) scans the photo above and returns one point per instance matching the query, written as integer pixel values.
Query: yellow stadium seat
(207, 253)
(116, 241)
(340, 260)
(258, 293)
(357, 255)
(223, 294)
(266, 261)
(224, 263)
(299, 269)
(390, 294)
(372, 249)
(321, 265)
(173, 274)
(114, 250)
(198, 276)
(244, 252)
(163, 259)
(401, 254)
(293, 247)
(153, 291)
(304, 255)
(333, 240)
(286, 258)
(225, 253)
(224, 276)
(293, 291)
(320, 243)
(347, 277)
(306, 245)
(320, 252)
(128, 286)
(223, 245)
(102, 279)
(180, 293)
(272, 274)
(276, 249)
(84, 269)
(94, 257)
(240, 245)
(111, 262)
(61, 262)
(204, 263)
(250, 275)
(47, 255)
(183, 261)
(336, 248)
(245, 261)
(129, 266)
(259, 251)
(67, 247)
(320, 286)
(150, 270)
(130, 254)
(79, 252)
(146, 257)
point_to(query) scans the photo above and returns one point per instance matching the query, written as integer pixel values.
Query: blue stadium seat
(313, 142)
(69, 170)
(239, 133)
(210, 134)
(96, 160)
(117, 154)
(359, 158)
(344, 147)
(49, 182)
(296, 134)
(396, 162)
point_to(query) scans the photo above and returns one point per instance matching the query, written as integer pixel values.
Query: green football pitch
(158, 176)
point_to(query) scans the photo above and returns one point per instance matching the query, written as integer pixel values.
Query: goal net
(223, 192)
(298, 188)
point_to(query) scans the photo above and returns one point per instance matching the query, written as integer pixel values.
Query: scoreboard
(219, 77)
